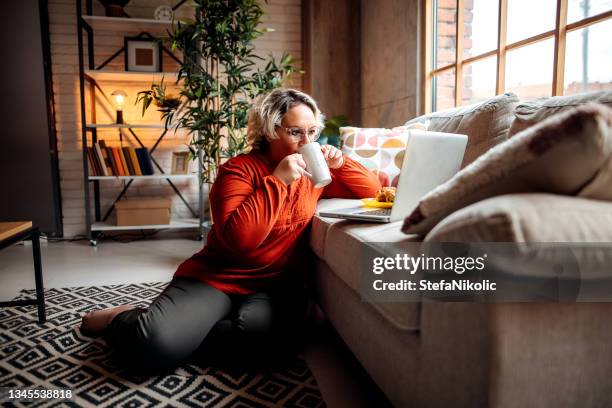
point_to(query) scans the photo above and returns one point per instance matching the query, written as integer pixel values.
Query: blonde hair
(269, 109)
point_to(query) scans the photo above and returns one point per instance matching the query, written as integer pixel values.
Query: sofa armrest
(533, 217)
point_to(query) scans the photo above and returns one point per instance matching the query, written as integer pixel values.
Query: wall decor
(180, 162)
(143, 55)
(164, 13)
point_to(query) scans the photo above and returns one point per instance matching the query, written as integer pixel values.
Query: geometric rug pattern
(57, 355)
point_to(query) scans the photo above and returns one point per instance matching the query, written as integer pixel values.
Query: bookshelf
(90, 77)
(123, 24)
(124, 126)
(185, 223)
(151, 177)
(131, 77)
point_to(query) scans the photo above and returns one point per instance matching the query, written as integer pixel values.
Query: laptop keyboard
(382, 211)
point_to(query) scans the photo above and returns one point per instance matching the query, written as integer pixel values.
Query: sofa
(468, 354)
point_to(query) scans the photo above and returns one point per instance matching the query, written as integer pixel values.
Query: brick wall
(446, 26)
(282, 15)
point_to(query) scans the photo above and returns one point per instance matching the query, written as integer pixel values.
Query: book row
(118, 161)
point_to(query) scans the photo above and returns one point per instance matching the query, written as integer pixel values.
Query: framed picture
(180, 162)
(142, 55)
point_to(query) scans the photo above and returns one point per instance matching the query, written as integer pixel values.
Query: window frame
(559, 35)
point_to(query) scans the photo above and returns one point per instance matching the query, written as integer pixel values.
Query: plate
(372, 202)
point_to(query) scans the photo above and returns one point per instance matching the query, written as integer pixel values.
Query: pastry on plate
(386, 195)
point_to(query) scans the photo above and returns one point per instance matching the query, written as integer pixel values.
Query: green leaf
(224, 31)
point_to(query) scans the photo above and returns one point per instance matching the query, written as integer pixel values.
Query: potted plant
(331, 133)
(218, 79)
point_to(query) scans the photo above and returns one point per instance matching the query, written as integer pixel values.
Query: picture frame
(180, 162)
(142, 54)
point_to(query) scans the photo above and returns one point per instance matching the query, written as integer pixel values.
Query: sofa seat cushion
(486, 123)
(569, 154)
(341, 243)
(535, 217)
(320, 225)
(530, 113)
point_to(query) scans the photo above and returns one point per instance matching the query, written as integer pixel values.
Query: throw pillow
(361, 145)
(528, 217)
(569, 154)
(378, 149)
(527, 114)
(486, 123)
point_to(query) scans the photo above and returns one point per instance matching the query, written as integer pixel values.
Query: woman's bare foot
(97, 320)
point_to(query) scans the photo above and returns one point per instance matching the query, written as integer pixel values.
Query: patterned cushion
(378, 149)
(361, 145)
(570, 154)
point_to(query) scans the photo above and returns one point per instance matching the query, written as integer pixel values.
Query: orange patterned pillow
(378, 149)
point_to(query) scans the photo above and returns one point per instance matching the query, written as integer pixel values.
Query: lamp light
(118, 100)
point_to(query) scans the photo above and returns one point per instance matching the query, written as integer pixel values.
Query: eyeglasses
(298, 134)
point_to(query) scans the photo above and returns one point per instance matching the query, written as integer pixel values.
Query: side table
(11, 233)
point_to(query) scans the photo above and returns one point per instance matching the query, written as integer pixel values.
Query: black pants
(193, 320)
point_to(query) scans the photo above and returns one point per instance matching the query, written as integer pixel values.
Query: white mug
(316, 167)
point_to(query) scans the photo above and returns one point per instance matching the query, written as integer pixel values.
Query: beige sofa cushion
(320, 225)
(485, 123)
(531, 113)
(569, 154)
(341, 243)
(531, 217)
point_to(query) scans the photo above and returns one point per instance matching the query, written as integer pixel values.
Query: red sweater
(258, 221)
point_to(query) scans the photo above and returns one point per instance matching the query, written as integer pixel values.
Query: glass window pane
(527, 18)
(480, 30)
(446, 29)
(529, 70)
(479, 80)
(581, 9)
(588, 59)
(444, 90)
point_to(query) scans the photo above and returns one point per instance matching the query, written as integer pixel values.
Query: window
(480, 48)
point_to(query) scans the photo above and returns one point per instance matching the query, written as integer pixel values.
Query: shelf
(122, 24)
(107, 76)
(123, 126)
(182, 223)
(151, 177)
(128, 76)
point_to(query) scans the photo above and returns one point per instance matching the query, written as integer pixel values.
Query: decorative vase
(114, 8)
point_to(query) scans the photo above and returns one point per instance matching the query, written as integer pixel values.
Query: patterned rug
(57, 355)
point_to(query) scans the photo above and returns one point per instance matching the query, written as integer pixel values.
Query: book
(108, 156)
(120, 170)
(93, 170)
(96, 161)
(149, 162)
(141, 161)
(144, 160)
(100, 158)
(128, 160)
(135, 161)
(126, 170)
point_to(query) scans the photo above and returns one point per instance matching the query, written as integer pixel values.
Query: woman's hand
(291, 168)
(333, 156)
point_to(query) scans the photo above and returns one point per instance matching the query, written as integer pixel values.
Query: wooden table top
(8, 229)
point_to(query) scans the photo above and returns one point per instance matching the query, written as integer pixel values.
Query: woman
(243, 294)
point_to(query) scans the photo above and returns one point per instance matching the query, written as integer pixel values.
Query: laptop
(430, 159)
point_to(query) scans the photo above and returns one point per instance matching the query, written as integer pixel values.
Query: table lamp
(118, 100)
